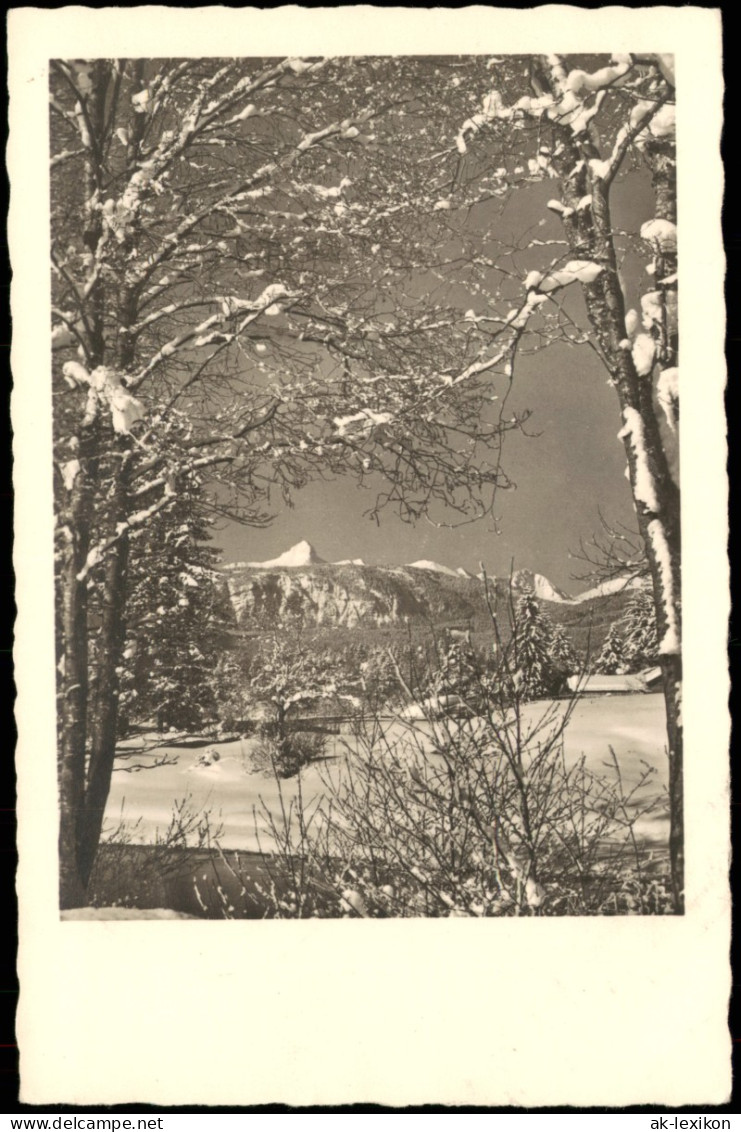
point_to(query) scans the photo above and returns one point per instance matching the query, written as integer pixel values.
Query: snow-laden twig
(626, 136)
(96, 554)
(309, 141)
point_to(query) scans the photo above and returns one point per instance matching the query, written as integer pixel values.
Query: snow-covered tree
(174, 629)
(562, 652)
(611, 659)
(229, 689)
(458, 670)
(579, 123)
(289, 677)
(638, 625)
(237, 247)
(533, 651)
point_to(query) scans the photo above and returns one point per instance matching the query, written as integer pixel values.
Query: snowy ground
(231, 792)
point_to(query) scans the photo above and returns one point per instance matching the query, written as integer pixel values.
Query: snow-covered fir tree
(563, 655)
(533, 639)
(458, 671)
(611, 660)
(174, 626)
(638, 626)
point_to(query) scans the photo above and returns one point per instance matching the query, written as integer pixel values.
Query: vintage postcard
(372, 588)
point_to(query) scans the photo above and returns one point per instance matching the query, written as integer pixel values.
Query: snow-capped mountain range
(303, 555)
(351, 603)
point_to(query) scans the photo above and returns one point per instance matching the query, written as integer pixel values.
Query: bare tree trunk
(672, 672)
(76, 526)
(104, 721)
(73, 684)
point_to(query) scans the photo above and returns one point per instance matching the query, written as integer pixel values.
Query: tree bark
(104, 721)
(660, 157)
(76, 529)
(635, 392)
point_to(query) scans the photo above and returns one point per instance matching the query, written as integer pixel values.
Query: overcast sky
(565, 476)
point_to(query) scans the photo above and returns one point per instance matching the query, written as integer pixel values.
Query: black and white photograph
(367, 519)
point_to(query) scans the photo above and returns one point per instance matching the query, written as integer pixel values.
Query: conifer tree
(641, 646)
(534, 636)
(563, 655)
(611, 659)
(173, 624)
(458, 672)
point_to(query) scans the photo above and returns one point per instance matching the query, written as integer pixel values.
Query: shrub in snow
(208, 757)
(285, 755)
(476, 817)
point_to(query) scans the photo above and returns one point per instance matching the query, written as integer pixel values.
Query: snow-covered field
(232, 792)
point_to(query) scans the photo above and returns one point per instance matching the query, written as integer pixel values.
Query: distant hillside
(299, 592)
(349, 597)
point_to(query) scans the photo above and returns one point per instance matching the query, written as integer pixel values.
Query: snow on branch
(165, 312)
(97, 552)
(575, 271)
(578, 99)
(69, 333)
(670, 644)
(64, 155)
(106, 388)
(661, 234)
(364, 421)
(644, 487)
(173, 241)
(269, 302)
(667, 394)
(579, 81)
(205, 111)
(642, 117)
(516, 322)
(177, 343)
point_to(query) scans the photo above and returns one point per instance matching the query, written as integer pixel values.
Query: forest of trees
(257, 270)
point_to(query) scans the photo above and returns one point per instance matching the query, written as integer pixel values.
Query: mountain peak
(528, 582)
(302, 554)
(427, 564)
(613, 586)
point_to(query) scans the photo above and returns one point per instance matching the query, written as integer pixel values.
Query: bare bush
(129, 874)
